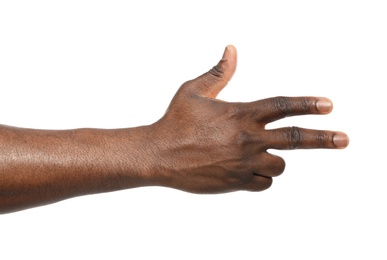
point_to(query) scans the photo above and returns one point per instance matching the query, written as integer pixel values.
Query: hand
(207, 145)
(201, 145)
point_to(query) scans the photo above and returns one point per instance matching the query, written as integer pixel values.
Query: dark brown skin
(201, 145)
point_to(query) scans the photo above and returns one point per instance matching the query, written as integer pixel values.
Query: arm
(43, 166)
(201, 145)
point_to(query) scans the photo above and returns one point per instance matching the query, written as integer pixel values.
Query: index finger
(272, 109)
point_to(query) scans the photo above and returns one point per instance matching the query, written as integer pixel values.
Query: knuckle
(288, 106)
(214, 75)
(273, 167)
(306, 105)
(243, 138)
(279, 167)
(217, 71)
(293, 136)
(322, 138)
(282, 104)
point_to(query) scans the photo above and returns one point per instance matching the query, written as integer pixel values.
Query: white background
(110, 64)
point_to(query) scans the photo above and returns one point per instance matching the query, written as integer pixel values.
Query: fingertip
(230, 55)
(341, 140)
(212, 82)
(229, 51)
(230, 46)
(324, 105)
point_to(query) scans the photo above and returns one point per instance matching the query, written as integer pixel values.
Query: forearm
(38, 167)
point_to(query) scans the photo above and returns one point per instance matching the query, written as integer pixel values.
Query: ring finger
(269, 165)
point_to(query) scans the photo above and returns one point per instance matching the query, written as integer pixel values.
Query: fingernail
(324, 105)
(341, 140)
(226, 53)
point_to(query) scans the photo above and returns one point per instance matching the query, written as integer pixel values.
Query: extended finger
(288, 138)
(272, 109)
(212, 82)
(269, 165)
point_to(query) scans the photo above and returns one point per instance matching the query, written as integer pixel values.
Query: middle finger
(289, 138)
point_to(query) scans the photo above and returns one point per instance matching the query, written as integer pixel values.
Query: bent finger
(258, 183)
(289, 138)
(269, 165)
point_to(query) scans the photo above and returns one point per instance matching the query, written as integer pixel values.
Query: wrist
(131, 155)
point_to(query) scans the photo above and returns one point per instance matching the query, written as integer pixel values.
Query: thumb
(212, 82)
